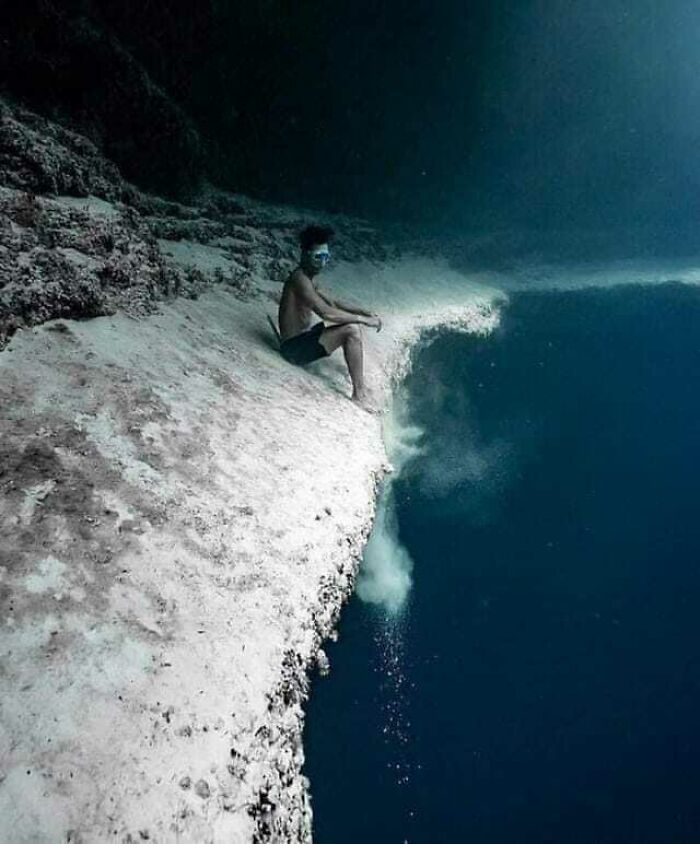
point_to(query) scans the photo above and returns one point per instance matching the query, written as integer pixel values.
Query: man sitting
(300, 298)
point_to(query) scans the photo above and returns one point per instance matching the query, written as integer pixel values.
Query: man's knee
(353, 334)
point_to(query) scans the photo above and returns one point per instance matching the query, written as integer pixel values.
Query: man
(301, 298)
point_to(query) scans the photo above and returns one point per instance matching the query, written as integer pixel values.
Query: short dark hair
(315, 236)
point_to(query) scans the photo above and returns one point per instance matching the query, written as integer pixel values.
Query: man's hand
(374, 322)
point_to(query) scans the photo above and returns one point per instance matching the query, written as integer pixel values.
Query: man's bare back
(294, 312)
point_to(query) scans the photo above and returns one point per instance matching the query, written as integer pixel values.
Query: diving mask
(320, 255)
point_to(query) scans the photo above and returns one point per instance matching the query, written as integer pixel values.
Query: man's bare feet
(365, 400)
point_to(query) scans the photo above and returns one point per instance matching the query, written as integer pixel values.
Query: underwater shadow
(265, 337)
(330, 372)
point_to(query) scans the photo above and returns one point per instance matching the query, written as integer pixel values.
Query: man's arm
(351, 309)
(327, 311)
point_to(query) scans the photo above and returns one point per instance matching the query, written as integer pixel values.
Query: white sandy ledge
(155, 662)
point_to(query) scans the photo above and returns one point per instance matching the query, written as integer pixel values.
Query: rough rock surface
(181, 512)
(76, 240)
(68, 60)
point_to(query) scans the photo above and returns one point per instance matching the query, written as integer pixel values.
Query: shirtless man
(300, 297)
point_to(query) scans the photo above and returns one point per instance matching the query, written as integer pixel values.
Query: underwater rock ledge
(182, 517)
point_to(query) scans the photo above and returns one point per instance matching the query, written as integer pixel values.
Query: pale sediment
(183, 514)
(182, 517)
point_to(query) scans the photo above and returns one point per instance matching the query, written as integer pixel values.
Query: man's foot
(363, 399)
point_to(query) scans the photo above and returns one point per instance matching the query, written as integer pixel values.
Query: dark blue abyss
(543, 683)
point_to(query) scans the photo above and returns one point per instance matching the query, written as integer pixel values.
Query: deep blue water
(543, 683)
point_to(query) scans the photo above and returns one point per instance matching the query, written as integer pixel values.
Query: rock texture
(76, 240)
(182, 513)
(72, 60)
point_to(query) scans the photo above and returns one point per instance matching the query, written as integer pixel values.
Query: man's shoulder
(298, 278)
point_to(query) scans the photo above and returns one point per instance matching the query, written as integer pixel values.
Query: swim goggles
(321, 255)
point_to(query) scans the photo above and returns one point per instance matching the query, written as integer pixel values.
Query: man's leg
(350, 338)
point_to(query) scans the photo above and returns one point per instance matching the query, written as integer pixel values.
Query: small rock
(58, 327)
(185, 783)
(128, 526)
(201, 789)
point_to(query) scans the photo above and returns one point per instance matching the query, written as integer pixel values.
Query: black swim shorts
(304, 348)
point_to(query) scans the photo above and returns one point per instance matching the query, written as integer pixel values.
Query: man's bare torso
(294, 315)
